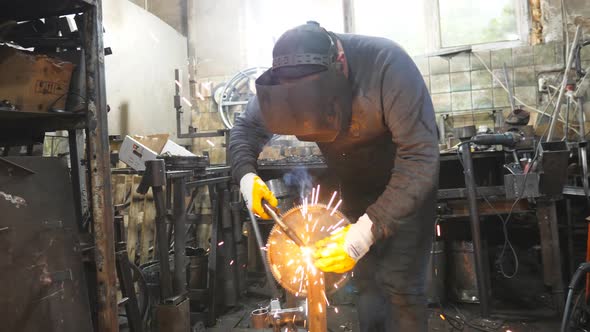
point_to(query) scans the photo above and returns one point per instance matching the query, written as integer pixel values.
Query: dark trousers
(391, 279)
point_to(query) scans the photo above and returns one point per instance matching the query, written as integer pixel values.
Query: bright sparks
(336, 207)
(332, 199)
(317, 195)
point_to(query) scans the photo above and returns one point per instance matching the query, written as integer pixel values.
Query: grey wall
(170, 11)
(140, 72)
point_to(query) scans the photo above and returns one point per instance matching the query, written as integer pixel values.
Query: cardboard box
(134, 154)
(136, 150)
(34, 83)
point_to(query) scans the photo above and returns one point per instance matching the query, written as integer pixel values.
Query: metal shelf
(17, 126)
(23, 10)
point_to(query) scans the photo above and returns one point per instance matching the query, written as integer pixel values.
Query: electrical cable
(507, 243)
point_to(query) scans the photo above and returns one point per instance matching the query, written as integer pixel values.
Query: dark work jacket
(387, 161)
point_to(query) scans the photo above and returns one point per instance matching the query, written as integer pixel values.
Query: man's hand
(254, 191)
(339, 252)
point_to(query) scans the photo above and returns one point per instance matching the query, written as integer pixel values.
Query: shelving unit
(90, 168)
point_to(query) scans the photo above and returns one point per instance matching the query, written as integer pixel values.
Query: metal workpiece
(99, 167)
(479, 257)
(289, 261)
(553, 161)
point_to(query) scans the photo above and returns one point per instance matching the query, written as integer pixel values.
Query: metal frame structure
(25, 128)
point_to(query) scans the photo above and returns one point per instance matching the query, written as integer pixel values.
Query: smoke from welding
(300, 179)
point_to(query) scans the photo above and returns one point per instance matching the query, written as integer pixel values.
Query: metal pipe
(568, 66)
(583, 148)
(179, 212)
(261, 245)
(475, 230)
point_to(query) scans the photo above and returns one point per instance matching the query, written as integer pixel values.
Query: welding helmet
(305, 93)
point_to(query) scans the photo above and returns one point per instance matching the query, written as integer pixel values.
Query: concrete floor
(346, 320)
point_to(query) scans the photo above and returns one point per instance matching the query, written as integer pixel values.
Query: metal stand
(550, 250)
(173, 311)
(125, 280)
(479, 257)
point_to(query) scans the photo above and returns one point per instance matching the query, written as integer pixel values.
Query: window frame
(434, 37)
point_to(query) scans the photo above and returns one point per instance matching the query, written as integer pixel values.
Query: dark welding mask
(315, 106)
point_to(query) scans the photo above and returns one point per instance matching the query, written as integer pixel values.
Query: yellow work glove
(339, 252)
(254, 191)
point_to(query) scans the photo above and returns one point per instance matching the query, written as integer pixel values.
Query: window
(467, 22)
(426, 26)
(401, 21)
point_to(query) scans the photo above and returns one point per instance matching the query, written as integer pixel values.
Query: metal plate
(288, 262)
(45, 286)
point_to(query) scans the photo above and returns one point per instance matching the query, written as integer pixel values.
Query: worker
(365, 104)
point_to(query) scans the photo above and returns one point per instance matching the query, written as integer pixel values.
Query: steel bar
(78, 182)
(100, 176)
(568, 66)
(179, 212)
(205, 182)
(128, 291)
(212, 262)
(316, 301)
(261, 245)
(162, 243)
(583, 148)
(476, 231)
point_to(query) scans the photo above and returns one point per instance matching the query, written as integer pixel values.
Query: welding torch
(272, 212)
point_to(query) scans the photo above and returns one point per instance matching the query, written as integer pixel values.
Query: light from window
(401, 21)
(266, 20)
(467, 22)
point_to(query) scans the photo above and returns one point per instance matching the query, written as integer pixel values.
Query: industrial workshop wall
(140, 72)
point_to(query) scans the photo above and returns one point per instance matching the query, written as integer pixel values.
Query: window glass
(467, 22)
(401, 21)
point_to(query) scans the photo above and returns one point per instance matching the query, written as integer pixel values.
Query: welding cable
(507, 242)
(580, 272)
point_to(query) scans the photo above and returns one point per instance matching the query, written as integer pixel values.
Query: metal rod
(509, 87)
(316, 301)
(162, 243)
(99, 168)
(568, 66)
(179, 212)
(583, 148)
(475, 231)
(290, 233)
(261, 245)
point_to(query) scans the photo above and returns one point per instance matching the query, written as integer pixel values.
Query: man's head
(302, 51)
(306, 93)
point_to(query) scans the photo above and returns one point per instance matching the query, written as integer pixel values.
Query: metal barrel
(462, 276)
